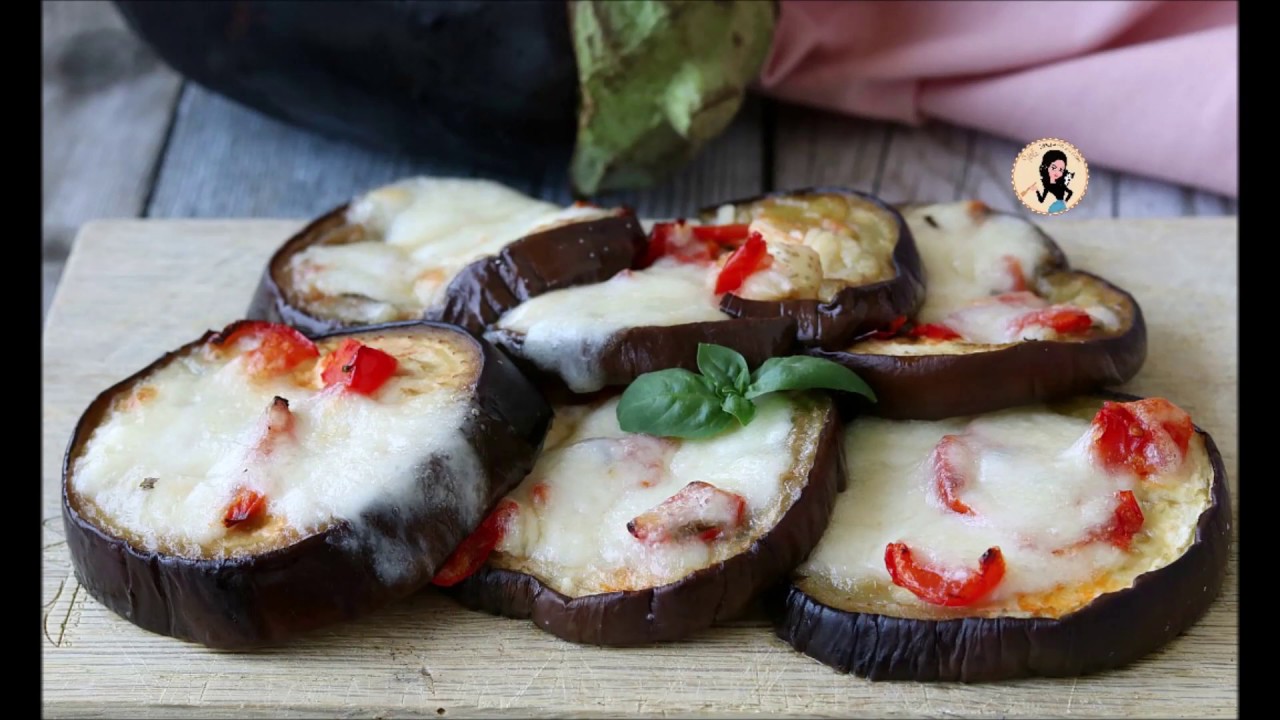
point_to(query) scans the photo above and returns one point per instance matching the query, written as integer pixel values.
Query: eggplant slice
(870, 270)
(213, 500)
(988, 272)
(840, 263)
(450, 250)
(1065, 605)
(626, 539)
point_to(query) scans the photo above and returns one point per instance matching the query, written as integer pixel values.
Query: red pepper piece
(478, 546)
(278, 427)
(722, 234)
(1064, 320)
(934, 331)
(278, 349)
(1145, 437)
(361, 368)
(247, 508)
(676, 239)
(699, 509)
(937, 589)
(1127, 521)
(744, 261)
(951, 459)
(894, 326)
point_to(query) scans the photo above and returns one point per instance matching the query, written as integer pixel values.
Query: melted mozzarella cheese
(1034, 490)
(820, 245)
(420, 233)
(351, 453)
(563, 330)
(571, 528)
(964, 254)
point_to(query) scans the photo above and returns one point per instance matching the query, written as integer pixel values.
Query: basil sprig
(684, 404)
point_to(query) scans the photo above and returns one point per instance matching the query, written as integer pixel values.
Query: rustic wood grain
(812, 147)
(161, 283)
(925, 164)
(228, 161)
(106, 102)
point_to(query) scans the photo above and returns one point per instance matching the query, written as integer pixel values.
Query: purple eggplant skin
(324, 578)
(577, 253)
(677, 610)
(1112, 631)
(270, 301)
(933, 387)
(853, 311)
(476, 84)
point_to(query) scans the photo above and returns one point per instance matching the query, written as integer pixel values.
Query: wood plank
(426, 657)
(106, 101)
(813, 147)
(925, 164)
(229, 161)
(226, 160)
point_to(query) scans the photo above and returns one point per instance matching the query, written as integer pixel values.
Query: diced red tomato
(750, 257)
(1063, 319)
(274, 348)
(467, 558)
(247, 508)
(952, 461)
(939, 589)
(891, 330)
(1126, 522)
(698, 510)
(1018, 278)
(360, 368)
(934, 331)
(722, 234)
(1145, 437)
(676, 240)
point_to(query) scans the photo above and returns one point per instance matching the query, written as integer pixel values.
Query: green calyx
(658, 80)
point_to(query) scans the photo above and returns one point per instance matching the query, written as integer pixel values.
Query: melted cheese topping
(820, 243)
(191, 427)
(564, 330)
(415, 236)
(1035, 490)
(592, 479)
(973, 259)
(964, 254)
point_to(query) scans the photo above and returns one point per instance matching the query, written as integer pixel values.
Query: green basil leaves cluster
(683, 404)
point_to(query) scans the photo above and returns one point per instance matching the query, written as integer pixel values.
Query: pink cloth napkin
(1144, 87)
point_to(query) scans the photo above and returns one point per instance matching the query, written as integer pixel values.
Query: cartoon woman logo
(1045, 173)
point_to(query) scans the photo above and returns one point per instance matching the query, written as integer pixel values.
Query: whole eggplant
(492, 84)
(632, 89)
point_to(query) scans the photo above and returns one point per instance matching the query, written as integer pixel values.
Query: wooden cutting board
(134, 289)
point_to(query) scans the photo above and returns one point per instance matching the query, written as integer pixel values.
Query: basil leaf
(672, 403)
(801, 372)
(739, 407)
(725, 368)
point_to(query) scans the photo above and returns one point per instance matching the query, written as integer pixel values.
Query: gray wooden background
(124, 136)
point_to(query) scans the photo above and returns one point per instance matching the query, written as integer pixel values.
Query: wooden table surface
(134, 289)
(124, 136)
